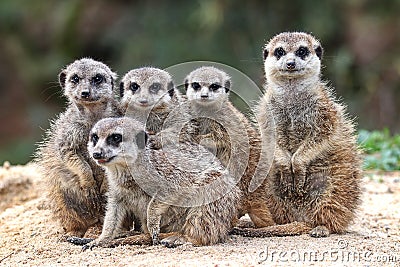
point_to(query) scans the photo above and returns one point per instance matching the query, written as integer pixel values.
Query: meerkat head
(146, 88)
(116, 141)
(207, 85)
(292, 55)
(87, 81)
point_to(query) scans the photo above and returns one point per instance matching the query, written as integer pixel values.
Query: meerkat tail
(293, 228)
(141, 239)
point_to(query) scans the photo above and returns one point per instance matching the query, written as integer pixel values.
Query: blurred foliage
(38, 38)
(382, 150)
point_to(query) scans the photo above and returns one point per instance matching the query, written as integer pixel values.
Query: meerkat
(194, 203)
(314, 183)
(76, 184)
(216, 124)
(148, 95)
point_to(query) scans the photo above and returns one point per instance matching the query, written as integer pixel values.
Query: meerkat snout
(290, 65)
(97, 155)
(85, 94)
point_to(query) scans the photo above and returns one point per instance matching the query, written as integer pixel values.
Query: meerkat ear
(319, 51)
(141, 139)
(265, 53)
(227, 86)
(62, 77)
(171, 89)
(121, 89)
(186, 84)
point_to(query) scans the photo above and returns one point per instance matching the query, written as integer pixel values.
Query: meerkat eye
(196, 86)
(114, 139)
(214, 86)
(279, 52)
(302, 52)
(134, 87)
(98, 79)
(75, 79)
(94, 138)
(154, 88)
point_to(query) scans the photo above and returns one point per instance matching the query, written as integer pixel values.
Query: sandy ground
(28, 235)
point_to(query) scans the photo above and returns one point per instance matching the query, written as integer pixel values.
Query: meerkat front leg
(306, 153)
(155, 210)
(282, 159)
(82, 169)
(113, 224)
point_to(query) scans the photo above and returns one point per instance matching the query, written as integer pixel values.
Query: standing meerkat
(195, 202)
(148, 95)
(76, 184)
(216, 124)
(314, 184)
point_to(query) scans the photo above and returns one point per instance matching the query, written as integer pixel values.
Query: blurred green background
(38, 38)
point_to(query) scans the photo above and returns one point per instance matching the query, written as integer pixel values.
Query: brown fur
(76, 184)
(314, 182)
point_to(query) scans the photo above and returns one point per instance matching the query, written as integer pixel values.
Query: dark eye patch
(154, 88)
(196, 86)
(279, 52)
(302, 52)
(94, 138)
(134, 87)
(214, 86)
(98, 79)
(114, 139)
(75, 79)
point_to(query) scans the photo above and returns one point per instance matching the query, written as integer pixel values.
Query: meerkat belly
(292, 131)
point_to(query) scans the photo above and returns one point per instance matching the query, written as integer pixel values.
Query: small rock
(6, 165)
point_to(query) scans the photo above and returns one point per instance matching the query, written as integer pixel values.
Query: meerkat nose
(143, 101)
(291, 65)
(85, 94)
(204, 93)
(97, 155)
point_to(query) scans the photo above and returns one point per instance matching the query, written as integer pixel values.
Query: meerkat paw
(79, 241)
(105, 243)
(175, 241)
(155, 142)
(245, 223)
(155, 239)
(320, 231)
(73, 233)
(299, 173)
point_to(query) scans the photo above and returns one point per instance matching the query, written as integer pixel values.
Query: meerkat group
(110, 160)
